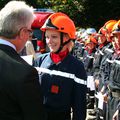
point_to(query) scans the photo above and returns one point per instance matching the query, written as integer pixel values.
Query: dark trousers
(58, 115)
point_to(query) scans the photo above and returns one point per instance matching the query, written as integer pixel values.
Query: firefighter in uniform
(62, 76)
(104, 66)
(102, 42)
(114, 84)
(90, 48)
(98, 55)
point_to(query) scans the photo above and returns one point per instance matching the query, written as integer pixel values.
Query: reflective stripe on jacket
(63, 84)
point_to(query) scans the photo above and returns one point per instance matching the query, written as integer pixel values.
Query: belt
(116, 94)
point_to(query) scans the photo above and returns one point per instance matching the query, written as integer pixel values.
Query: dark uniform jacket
(20, 93)
(63, 85)
(114, 85)
(78, 50)
(105, 65)
(114, 77)
(88, 61)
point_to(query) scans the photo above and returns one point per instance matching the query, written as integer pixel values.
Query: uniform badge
(54, 89)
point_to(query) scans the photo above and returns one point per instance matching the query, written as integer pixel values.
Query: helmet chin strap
(61, 43)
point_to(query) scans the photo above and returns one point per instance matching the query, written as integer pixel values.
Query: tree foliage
(85, 13)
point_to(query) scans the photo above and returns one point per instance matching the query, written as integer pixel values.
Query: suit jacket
(20, 93)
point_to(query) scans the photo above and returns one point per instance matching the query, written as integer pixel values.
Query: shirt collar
(5, 42)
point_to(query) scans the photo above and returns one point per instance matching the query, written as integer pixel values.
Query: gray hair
(14, 16)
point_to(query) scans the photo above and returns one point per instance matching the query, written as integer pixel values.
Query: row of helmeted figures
(100, 53)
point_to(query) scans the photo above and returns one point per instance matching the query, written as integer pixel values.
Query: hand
(115, 115)
(96, 83)
(102, 90)
(105, 98)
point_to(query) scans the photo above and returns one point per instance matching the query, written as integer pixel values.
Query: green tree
(97, 12)
(89, 13)
(85, 13)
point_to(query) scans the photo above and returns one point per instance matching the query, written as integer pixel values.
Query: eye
(47, 37)
(54, 36)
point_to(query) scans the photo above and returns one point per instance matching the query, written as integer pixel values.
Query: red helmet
(102, 31)
(108, 29)
(116, 28)
(60, 22)
(91, 38)
(109, 25)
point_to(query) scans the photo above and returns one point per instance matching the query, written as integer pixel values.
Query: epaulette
(83, 47)
(109, 50)
(89, 56)
(117, 61)
(101, 52)
(110, 61)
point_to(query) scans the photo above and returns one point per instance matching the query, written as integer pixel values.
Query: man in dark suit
(20, 92)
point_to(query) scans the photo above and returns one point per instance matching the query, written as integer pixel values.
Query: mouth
(51, 45)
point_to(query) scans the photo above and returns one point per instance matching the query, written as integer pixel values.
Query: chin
(52, 50)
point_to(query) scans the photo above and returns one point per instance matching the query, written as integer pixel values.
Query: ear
(66, 37)
(23, 34)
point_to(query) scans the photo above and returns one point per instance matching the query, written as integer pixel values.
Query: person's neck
(58, 57)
